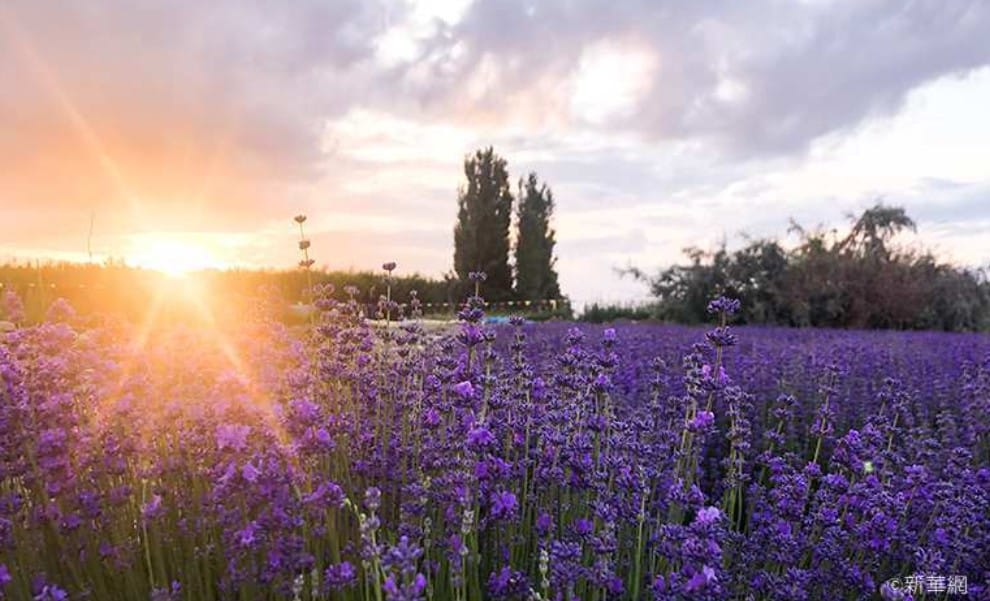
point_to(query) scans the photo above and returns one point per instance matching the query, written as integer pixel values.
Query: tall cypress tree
(484, 212)
(535, 274)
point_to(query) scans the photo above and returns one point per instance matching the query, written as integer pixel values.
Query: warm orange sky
(199, 129)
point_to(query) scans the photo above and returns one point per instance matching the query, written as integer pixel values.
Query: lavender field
(352, 460)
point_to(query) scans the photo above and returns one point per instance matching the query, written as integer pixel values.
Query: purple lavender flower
(602, 383)
(707, 516)
(659, 586)
(721, 337)
(411, 591)
(544, 524)
(480, 438)
(719, 379)
(583, 527)
(232, 436)
(507, 584)
(373, 498)
(250, 473)
(340, 576)
(327, 494)
(153, 508)
(12, 309)
(60, 311)
(431, 418)
(323, 438)
(44, 591)
(464, 389)
(702, 421)
(504, 505)
(728, 306)
(247, 536)
(701, 579)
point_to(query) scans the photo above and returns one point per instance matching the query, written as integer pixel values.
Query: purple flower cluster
(517, 461)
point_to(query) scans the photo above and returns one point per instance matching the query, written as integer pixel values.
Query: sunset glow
(173, 255)
(649, 123)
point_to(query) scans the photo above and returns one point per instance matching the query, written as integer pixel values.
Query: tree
(874, 229)
(862, 280)
(484, 212)
(536, 277)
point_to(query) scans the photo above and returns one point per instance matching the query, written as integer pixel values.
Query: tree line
(860, 280)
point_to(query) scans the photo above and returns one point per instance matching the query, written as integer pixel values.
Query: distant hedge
(118, 289)
(115, 289)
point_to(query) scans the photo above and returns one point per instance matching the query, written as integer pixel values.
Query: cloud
(763, 77)
(173, 103)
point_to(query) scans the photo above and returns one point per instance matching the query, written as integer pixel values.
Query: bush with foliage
(860, 280)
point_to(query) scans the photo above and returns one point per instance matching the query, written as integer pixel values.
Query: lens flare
(175, 256)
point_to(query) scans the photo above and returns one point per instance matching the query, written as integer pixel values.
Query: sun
(175, 256)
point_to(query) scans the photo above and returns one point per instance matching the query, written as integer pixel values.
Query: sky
(192, 132)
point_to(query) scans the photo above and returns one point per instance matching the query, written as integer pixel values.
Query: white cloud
(611, 79)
